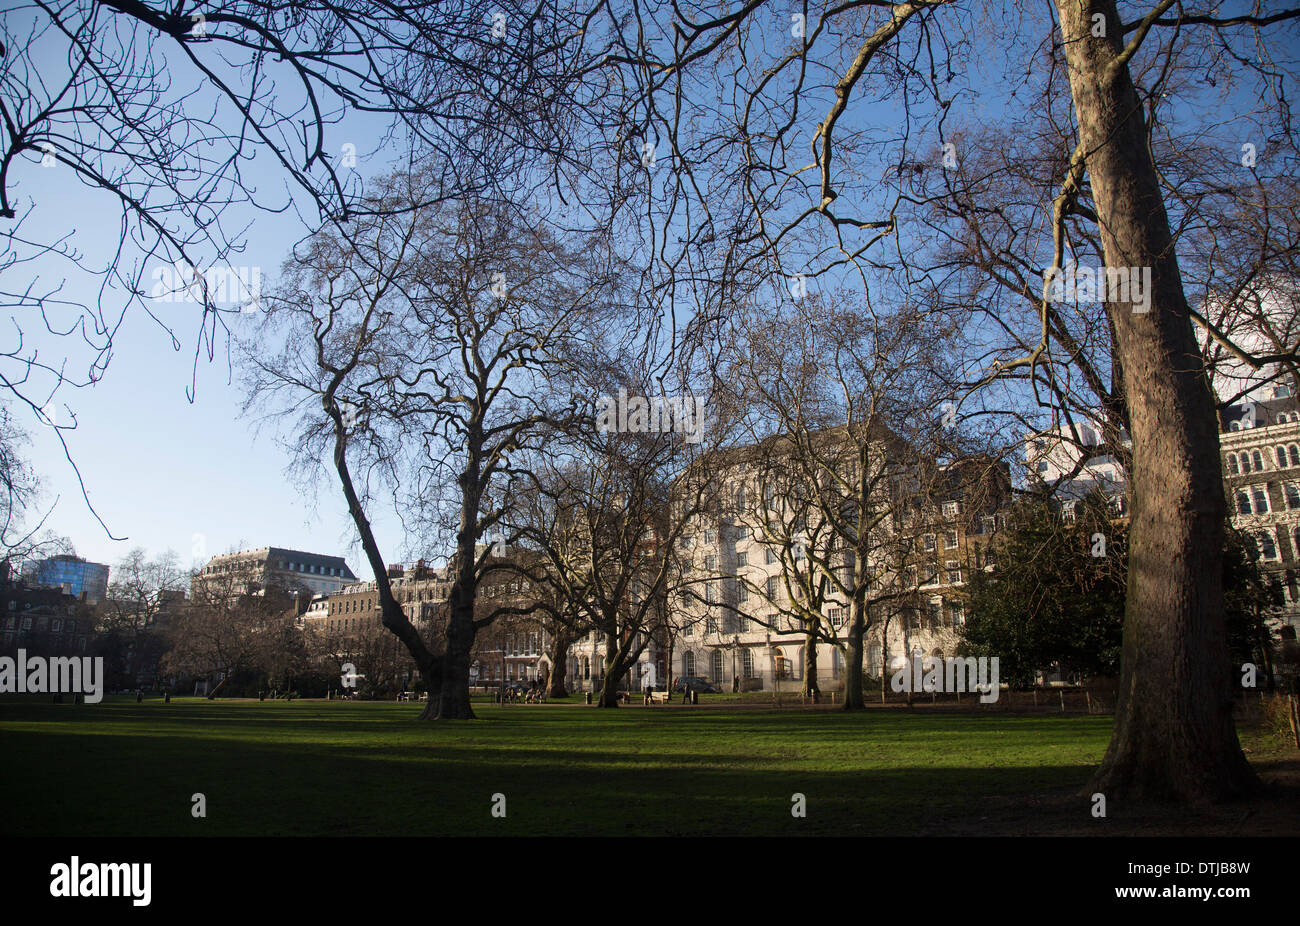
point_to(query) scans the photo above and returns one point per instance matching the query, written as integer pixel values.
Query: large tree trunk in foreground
(853, 699)
(810, 687)
(615, 669)
(1174, 736)
(561, 640)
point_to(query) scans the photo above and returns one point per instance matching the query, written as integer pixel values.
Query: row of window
(1248, 422)
(39, 624)
(1255, 499)
(1254, 461)
(1267, 543)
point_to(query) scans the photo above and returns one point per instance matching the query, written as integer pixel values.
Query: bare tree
(760, 210)
(423, 351)
(183, 123)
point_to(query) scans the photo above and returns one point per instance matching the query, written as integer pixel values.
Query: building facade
(74, 575)
(251, 571)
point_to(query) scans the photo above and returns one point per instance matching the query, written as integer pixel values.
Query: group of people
(535, 693)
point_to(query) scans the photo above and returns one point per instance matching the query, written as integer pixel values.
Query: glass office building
(74, 574)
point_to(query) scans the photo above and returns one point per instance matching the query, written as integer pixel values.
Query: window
(1245, 463)
(958, 615)
(710, 536)
(1261, 499)
(710, 624)
(934, 613)
(711, 593)
(56, 625)
(684, 541)
(1233, 469)
(715, 667)
(1267, 546)
(1243, 502)
(688, 664)
(1294, 451)
(953, 568)
(988, 524)
(1281, 459)
(1258, 459)
(769, 555)
(931, 573)
(742, 533)
(747, 663)
(1292, 496)
(950, 509)
(927, 542)
(950, 540)
(742, 592)
(836, 616)
(874, 661)
(711, 563)
(773, 588)
(742, 560)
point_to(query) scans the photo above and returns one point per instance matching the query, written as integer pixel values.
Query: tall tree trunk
(810, 686)
(615, 669)
(1174, 736)
(455, 704)
(853, 699)
(561, 640)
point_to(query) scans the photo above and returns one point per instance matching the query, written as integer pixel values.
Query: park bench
(658, 697)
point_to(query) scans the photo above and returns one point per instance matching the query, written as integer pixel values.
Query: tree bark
(561, 640)
(1174, 736)
(810, 686)
(853, 699)
(455, 703)
(615, 669)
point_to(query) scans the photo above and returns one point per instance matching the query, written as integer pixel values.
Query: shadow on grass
(320, 769)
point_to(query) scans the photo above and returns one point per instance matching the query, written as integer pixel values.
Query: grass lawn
(368, 768)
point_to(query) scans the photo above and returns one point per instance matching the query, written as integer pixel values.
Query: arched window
(1293, 496)
(715, 667)
(1267, 546)
(1294, 450)
(1234, 426)
(690, 664)
(1233, 468)
(1281, 457)
(1245, 463)
(1258, 459)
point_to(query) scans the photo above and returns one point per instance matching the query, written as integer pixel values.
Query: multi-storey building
(742, 631)
(74, 575)
(1260, 442)
(251, 571)
(43, 620)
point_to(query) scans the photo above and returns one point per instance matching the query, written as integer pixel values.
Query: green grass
(368, 768)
